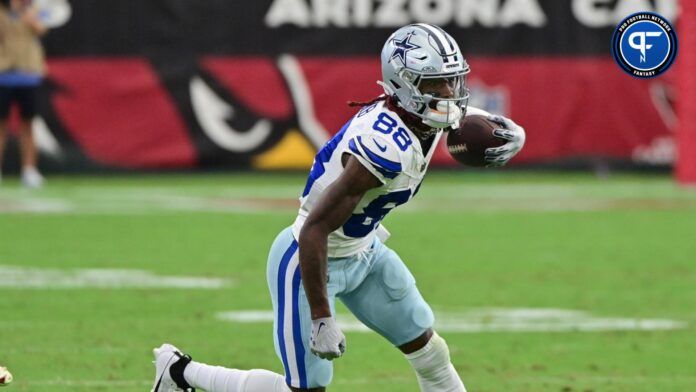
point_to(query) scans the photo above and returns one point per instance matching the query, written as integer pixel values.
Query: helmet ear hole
(393, 83)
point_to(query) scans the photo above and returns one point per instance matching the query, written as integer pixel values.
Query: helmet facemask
(440, 100)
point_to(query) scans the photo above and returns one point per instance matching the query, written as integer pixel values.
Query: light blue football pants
(375, 285)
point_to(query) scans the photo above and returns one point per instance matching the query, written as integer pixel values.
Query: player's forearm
(331, 212)
(328, 215)
(314, 270)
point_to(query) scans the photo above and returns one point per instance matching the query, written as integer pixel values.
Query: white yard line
(575, 379)
(86, 383)
(14, 277)
(65, 350)
(497, 320)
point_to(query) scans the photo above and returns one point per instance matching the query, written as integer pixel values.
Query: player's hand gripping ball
(485, 141)
(5, 376)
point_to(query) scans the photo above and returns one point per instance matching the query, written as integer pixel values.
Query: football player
(335, 248)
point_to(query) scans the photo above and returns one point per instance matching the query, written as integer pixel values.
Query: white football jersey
(380, 140)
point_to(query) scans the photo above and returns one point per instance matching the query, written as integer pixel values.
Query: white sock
(220, 379)
(30, 170)
(433, 368)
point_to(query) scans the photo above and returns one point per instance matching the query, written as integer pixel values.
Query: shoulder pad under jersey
(378, 154)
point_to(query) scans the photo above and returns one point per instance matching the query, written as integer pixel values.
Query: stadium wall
(165, 84)
(686, 165)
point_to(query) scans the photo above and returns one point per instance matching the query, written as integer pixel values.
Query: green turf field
(539, 282)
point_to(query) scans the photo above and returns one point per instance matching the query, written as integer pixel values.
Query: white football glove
(515, 136)
(327, 340)
(5, 376)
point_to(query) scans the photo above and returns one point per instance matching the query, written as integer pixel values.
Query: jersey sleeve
(377, 154)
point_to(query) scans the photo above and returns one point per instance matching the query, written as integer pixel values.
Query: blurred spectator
(22, 66)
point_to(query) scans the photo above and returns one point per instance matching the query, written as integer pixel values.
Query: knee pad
(423, 316)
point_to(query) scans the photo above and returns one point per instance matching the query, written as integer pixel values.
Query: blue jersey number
(402, 139)
(360, 225)
(385, 124)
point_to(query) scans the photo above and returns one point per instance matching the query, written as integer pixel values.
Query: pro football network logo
(644, 45)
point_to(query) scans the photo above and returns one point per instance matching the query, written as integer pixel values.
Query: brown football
(469, 142)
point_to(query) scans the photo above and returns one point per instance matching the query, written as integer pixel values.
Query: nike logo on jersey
(381, 148)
